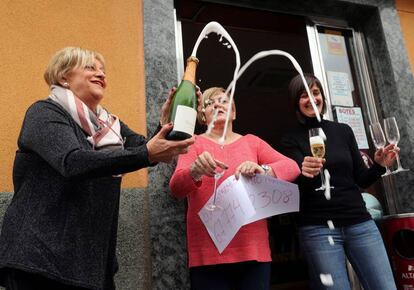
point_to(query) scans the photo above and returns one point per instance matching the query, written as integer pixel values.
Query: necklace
(215, 137)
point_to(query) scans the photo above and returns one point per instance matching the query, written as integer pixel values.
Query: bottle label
(185, 119)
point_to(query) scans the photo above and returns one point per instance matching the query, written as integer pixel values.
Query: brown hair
(296, 88)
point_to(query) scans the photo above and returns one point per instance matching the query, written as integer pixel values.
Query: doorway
(261, 92)
(261, 100)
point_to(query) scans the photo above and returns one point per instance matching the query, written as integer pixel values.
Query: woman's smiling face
(305, 105)
(88, 83)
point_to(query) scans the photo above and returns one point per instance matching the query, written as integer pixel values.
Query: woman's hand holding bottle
(162, 150)
(165, 109)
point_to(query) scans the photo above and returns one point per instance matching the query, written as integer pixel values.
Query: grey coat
(62, 221)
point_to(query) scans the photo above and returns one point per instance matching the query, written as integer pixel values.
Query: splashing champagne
(317, 146)
(218, 29)
(296, 65)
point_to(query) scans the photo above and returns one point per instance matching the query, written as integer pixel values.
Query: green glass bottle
(183, 111)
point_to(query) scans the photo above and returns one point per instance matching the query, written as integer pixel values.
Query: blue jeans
(361, 244)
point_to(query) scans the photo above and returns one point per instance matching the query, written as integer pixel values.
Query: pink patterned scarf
(103, 129)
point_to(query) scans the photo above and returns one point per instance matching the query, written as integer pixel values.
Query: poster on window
(336, 44)
(353, 117)
(339, 89)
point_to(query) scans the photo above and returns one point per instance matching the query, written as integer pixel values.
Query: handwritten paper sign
(233, 210)
(270, 196)
(246, 200)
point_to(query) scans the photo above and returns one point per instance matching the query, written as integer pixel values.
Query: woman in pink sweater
(245, 263)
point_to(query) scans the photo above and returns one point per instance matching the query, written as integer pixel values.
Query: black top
(346, 168)
(63, 218)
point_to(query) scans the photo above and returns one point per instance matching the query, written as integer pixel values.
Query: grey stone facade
(167, 227)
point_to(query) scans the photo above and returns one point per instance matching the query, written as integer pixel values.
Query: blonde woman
(245, 263)
(60, 229)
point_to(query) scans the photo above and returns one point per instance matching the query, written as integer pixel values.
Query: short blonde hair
(67, 59)
(207, 95)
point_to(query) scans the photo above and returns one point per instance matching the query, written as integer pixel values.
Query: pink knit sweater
(251, 242)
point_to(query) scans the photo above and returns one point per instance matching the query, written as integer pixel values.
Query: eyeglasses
(221, 100)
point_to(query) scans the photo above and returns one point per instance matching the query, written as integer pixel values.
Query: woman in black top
(331, 230)
(60, 229)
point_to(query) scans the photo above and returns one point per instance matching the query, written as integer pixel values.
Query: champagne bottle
(183, 111)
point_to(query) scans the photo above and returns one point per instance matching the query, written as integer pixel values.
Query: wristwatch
(266, 168)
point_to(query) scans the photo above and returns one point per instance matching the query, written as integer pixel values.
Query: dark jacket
(347, 170)
(63, 218)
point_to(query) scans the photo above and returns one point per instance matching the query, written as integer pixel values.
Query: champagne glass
(218, 173)
(393, 136)
(378, 138)
(318, 149)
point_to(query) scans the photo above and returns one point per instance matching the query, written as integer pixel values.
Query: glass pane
(337, 67)
(344, 87)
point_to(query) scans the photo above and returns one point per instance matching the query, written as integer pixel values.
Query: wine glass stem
(215, 188)
(397, 156)
(387, 170)
(322, 177)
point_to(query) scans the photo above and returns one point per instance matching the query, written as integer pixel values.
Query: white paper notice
(234, 208)
(339, 89)
(353, 117)
(246, 200)
(270, 196)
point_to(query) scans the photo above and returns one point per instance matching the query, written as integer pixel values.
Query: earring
(203, 115)
(65, 84)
